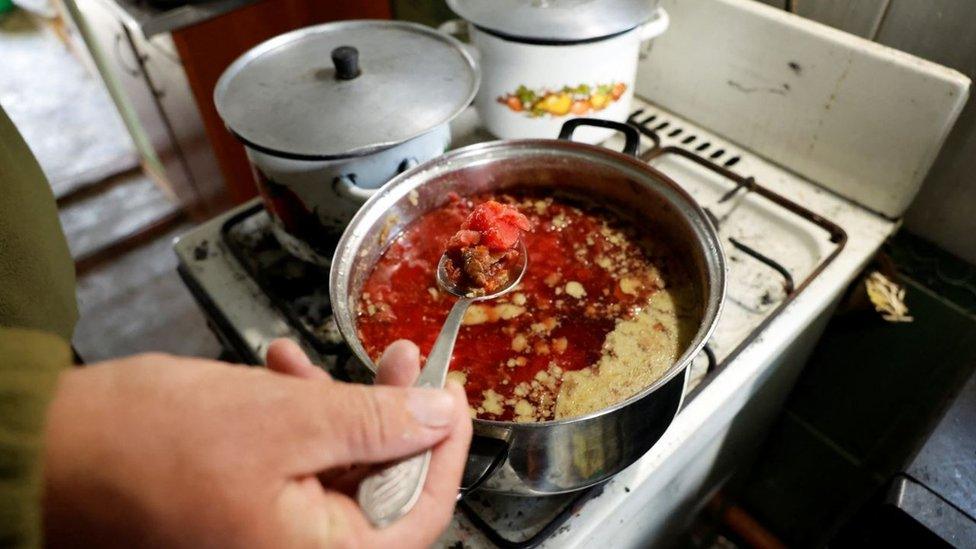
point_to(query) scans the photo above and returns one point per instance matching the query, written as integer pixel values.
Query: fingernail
(458, 389)
(402, 348)
(432, 408)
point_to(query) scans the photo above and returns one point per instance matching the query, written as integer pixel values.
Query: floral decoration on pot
(577, 100)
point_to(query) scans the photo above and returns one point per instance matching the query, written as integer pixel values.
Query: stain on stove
(795, 67)
(627, 489)
(829, 104)
(747, 89)
(202, 250)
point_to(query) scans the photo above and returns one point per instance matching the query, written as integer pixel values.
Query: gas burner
(672, 144)
(299, 289)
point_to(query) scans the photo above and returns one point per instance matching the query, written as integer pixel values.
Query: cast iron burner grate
(300, 291)
(650, 126)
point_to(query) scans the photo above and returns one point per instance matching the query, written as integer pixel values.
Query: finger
(433, 511)
(399, 365)
(286, 357)
(342, 423)
(313, 517)
(346, 479)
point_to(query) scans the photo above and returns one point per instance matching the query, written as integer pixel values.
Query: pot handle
(408, 163)
(484, 456)
(630, 132)
(455, 27)
(345, 186)
(655, 27)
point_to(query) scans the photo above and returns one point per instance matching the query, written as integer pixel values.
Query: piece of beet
(498, 224)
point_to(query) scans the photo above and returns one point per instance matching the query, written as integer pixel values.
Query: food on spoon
(603, 310)
(482, 255)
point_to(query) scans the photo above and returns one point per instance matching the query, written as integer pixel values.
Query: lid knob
(346, 62)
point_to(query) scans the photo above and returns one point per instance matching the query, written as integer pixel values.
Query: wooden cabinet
(127, 65)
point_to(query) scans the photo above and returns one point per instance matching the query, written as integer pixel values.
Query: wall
(940, 31)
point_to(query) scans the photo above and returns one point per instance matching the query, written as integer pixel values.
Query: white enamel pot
(311, 201)
(529, 88)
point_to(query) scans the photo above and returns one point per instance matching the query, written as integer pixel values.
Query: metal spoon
(390, 493)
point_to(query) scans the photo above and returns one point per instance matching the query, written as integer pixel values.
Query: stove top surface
(779, 232)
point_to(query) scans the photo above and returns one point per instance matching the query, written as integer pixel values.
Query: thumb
(372, 424)
(286, 357)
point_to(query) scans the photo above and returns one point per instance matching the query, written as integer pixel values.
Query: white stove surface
(654, 495)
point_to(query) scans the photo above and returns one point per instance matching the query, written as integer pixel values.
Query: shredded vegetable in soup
(602, 311)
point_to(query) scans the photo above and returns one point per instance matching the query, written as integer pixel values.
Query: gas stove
(253, 291)
(793, 248)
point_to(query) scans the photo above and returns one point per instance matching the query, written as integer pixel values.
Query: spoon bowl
(444, 281)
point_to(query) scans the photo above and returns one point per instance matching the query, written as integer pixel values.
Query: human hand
(161, 450)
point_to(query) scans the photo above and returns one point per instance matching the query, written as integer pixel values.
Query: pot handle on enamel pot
(484, 456)
(630, 133)
(656, 26)
(456, 27)
(345, 185)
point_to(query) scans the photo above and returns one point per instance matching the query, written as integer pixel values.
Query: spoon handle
(435, 370)
(391, 492)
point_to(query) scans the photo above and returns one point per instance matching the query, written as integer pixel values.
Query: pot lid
(345, 89)
(556, 20)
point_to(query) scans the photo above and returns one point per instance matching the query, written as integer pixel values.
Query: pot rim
(715, 260)
(360, 153)
(557, 24)
(551, 41)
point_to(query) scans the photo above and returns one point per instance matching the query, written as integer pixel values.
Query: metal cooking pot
(328, 113)
(568, 454)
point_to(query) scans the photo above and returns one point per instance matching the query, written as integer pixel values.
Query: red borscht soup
(602, 311)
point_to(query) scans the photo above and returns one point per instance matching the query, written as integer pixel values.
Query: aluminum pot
(328, 113)
(310, 201)
(568, 454)
(545, 62)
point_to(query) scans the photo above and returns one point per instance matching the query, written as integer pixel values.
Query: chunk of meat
(464, 239)
(477, 264)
